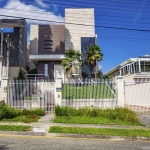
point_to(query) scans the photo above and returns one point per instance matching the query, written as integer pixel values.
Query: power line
(90, 7)
(24, 10)
(101, 36)
(75, 33)
(98, 26)
(111, 3)
(85, 5)
(109, 20)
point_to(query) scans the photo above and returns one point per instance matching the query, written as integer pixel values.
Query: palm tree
(99, 74)
(70, 56)
(94, 55)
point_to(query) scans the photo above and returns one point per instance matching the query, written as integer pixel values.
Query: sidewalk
(45, 122)
(41, 128)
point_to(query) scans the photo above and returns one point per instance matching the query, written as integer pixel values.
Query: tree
(21, 74)
(32, 72)
(99, 74)
(107, 77)
(70, 56)
(94, 55)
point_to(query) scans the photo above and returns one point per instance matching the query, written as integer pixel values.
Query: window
(48, 44)
(45, 70)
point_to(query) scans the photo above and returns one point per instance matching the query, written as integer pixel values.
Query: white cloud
(40, 3)
(16, 8)
(55, 7)
(99, 67)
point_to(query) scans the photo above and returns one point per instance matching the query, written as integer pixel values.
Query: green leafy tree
(70, 56)
(94, 55)
(99, 74)
(107, 77)
(32, 72)
(21, 74)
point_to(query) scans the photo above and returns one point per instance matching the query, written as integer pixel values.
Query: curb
(106, 137)
(23, 133)
(82, 136)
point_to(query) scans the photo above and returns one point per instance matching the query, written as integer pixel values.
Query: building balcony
(46, 57)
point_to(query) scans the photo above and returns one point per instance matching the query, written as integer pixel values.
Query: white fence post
(58, 92)
(121, 100)
(5, 90)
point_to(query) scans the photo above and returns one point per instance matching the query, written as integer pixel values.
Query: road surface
(54, 143)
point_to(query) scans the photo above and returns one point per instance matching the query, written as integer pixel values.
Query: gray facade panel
(23, 44)
(18, 42)
(50, 67)
(55, 34)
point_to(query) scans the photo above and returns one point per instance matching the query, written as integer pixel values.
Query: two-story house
(49, 42)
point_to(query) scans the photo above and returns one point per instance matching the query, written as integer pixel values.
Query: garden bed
(92, 120)
(10, 114)
(92, 115)
(14, 128)
(101, 131)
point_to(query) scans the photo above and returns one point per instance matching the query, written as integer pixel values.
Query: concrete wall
(136, 93)
(34, 38)
(74, 31)
(14, 72)
(100, 103)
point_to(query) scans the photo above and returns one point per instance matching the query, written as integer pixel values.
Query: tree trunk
(95, 70)
(91, 69)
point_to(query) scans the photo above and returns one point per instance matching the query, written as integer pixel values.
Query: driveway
(145, 119)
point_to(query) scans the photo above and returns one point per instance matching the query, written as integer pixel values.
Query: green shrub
(122, 114)
(27, 98)
(37, 112)
(8, 112)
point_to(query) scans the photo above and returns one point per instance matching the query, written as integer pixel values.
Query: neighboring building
(132, 68)
(80, 32)
(47, 47)
(49, 42)
(17, 48)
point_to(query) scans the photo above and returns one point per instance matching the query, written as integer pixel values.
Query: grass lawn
(25, 119)
(14, 128)
(100, 131)
(93, 91)
(91, 120)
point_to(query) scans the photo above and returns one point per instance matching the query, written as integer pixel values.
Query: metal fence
(89, 92)
(32, 94)
(80, 93)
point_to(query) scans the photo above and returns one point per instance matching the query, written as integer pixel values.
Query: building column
(139, 66)
(121, 99)
(58, 91)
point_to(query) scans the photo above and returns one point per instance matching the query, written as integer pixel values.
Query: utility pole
(1, 54)
(7, 57)
(1, 50)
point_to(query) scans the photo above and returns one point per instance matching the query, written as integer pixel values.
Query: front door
(58, 72)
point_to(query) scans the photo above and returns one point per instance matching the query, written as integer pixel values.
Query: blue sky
(117, 45)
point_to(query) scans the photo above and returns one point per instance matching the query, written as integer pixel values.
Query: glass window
(45, 70)
(48, 44)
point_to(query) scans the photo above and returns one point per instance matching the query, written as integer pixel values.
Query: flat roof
(130, 60)
(4, 23)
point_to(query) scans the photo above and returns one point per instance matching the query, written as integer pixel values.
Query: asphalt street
(12, 142)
